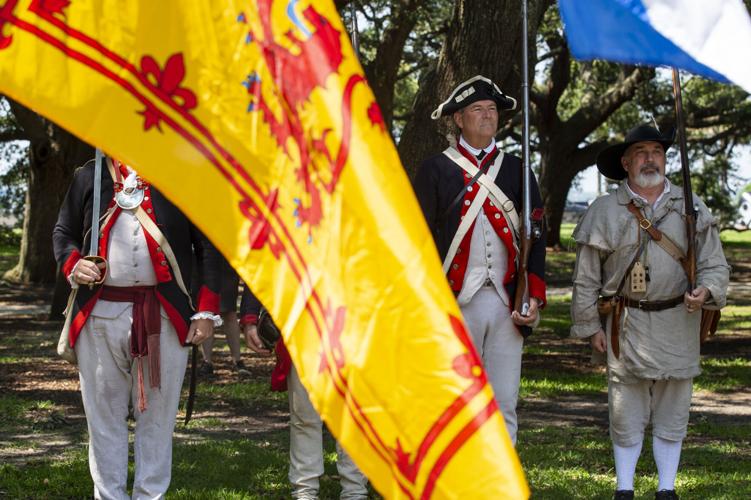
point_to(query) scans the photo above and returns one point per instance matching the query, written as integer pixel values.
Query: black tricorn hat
(477, 88)
(609, 159)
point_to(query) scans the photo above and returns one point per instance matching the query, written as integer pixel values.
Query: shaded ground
(31, 371)
(564, 356)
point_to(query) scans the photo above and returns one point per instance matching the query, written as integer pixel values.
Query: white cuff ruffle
(208, 315)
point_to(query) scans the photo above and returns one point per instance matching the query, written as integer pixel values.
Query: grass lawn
(237, 445)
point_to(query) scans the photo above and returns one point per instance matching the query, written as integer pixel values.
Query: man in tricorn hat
(471, 195)
(629, 244)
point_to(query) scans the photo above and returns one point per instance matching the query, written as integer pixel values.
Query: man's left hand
(200, 331)
(531, 316)
(696, 298)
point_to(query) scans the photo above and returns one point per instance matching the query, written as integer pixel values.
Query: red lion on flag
(297, 73)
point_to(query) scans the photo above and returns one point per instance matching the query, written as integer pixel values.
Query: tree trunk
(484, 37)
(383, 70)
(53, 156)
(557, 183)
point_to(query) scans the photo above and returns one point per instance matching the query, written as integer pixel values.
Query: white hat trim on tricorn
(461, 92)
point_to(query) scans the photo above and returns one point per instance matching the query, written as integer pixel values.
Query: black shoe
(206, 369)
(241, 369)
(623, 495)
(666, 495)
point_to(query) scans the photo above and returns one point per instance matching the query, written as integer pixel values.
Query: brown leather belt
(653, 305)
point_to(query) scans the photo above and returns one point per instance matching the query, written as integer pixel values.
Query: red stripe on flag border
(468, 431)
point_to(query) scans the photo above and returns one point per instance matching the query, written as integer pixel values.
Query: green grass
(9, 251)
(567, 241)
(724, 375)
(735, 318)
(561, 461)
(12, 409)
(735, 237)
(213, 469)
(565, 462)
(246, 392)
(556, 316)
(9, 360)
(544, 384)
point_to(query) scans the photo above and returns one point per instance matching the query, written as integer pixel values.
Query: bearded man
(628, 248)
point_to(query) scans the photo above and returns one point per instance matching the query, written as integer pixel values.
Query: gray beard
(649, 180)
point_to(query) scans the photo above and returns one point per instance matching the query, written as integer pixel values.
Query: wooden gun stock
(521, 297)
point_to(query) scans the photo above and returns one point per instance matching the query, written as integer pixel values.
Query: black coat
(70, 240)
(439, 180)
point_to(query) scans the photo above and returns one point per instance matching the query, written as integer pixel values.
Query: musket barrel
(526, 201)
(688, 195)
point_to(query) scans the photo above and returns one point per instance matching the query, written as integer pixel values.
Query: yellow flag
(255, 119)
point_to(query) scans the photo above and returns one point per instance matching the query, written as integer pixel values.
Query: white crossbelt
(486, 187)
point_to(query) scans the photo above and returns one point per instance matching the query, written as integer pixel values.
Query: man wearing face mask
(628, 248)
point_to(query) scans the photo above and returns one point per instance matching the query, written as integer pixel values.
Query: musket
(527, 232)
(710, 318)
(689, 262)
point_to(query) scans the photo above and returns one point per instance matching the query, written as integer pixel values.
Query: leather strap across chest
(496, 194)
(662, 240)
(474, 209)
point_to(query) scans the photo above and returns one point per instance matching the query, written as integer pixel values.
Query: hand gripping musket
(709, 318)
(528, 231)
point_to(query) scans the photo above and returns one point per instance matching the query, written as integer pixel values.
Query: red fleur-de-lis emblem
(166, 83)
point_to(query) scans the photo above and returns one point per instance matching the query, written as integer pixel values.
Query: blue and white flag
(706, 37)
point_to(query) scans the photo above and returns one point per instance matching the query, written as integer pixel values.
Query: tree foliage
(413, 53)
(14, 179)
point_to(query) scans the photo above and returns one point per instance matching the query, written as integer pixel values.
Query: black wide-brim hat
(609, 159)
(477, 88)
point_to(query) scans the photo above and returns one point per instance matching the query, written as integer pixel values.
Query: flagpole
(526, 202)
(355, 34)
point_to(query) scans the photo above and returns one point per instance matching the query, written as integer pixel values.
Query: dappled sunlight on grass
(567, 462)
(735, 318)
(545, 384)
(721, 375)
(242, 392)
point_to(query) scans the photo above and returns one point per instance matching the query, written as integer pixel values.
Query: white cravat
(490, 147)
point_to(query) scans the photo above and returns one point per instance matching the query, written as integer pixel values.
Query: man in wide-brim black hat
(610, 162)
(629, 247)
(471, 195)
